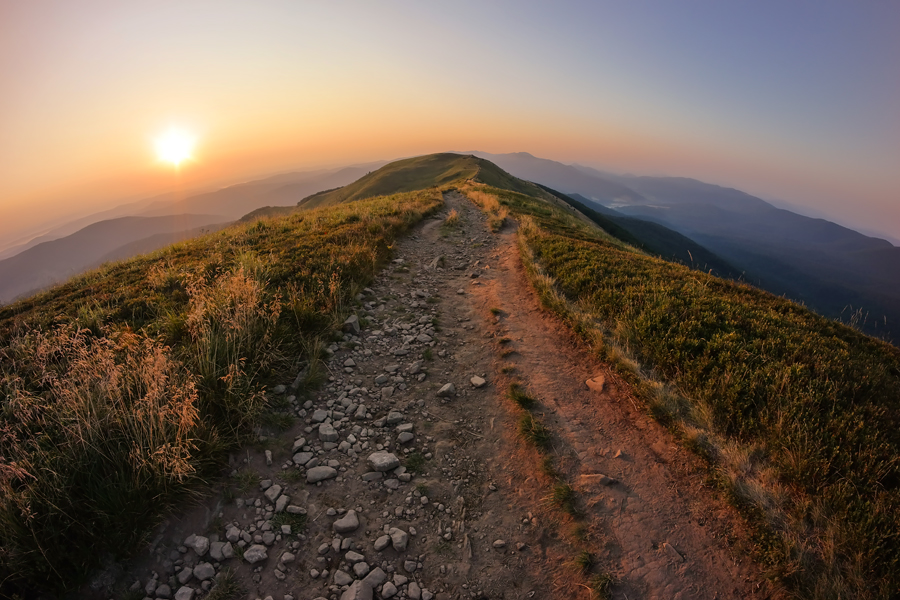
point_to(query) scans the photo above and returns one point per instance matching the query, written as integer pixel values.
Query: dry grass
(122, 389)
(490, 204)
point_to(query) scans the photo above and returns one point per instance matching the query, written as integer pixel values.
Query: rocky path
(404, 478)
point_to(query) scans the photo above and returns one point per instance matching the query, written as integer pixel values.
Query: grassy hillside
(798, 416)
(122, 389)
(417, 174)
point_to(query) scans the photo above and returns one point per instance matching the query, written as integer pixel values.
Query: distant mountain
(280, 190)
(51, 262)
(230, 202)
(651, 237)
(832, 269)
(565, 178)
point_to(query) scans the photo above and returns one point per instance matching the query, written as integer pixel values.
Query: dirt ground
(469, 493)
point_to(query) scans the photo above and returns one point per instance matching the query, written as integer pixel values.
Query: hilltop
(469, 387)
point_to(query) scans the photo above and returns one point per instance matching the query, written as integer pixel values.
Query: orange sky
(809, 117)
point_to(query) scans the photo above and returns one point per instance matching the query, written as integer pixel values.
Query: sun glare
(175, 146)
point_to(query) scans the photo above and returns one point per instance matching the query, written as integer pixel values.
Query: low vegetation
(122, 390)
(799, 416)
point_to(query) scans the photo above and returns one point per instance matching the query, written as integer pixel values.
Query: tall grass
(121, 389)
(96, 433)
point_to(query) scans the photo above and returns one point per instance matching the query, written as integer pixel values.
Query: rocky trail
(404, 477)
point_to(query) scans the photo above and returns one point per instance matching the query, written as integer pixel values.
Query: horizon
(796, 110)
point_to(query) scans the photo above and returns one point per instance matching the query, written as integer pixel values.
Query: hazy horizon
(794, 104)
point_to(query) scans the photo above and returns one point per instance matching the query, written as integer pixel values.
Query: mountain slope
(416, 174)
(55, 261)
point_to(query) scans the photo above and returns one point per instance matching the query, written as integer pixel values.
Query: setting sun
(175, 146)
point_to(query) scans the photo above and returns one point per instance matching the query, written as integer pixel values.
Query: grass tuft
(521, 397)
(533, 431)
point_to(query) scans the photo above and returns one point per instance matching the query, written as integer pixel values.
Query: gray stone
(227, 551)
(150, 587)
(360, 569)
(394, 417)
(392, 484)
(215, 551)
(358, 590)
(342, 578)
(410, 566)
(351, 325)
(399, 539)
(414, 591)
(319, 415)
(382, 543)
(281, 503)
(273, 492)
(268, 538)
(279, 389)
(232, 533)
(383, 461)
(301, 458)
(372, 476)
(389, 590)
(164, 591)
(387, 392)
(185, 593)
(375, 577)
(322, 473)
(349, 363)
(288, 557)
(360, 413)
(327, 433)
(256, 553)
(295, 510)
(348, 523)
(204, 571)
(477, 381)
(298, 444)
(185, 575)
(405, 437)
(499, 544)
(447, 390)
(198, 543)
(403, 427)
(354, 557)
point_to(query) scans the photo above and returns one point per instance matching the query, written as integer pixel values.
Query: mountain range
(832, 269)
(836, 271)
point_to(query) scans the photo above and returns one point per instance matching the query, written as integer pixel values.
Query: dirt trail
(465, 514)
(667, 537)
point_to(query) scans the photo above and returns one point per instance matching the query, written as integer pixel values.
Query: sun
(175, 146)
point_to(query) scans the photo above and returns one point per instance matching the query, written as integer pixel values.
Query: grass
(453, 219)
(227, 586)
(799, 416)
(427, 354)
(521, 397)
(415, 462)
(297, 522)
(496, 311)
(584, 562)
(534, 432)
(600, 586)
(122, 390)
(563, 496)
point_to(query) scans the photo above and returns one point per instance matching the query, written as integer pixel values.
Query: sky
(796, 102)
